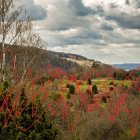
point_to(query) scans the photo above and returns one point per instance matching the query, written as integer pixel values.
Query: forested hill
(71, 61)
(66, 61)
(67, 55)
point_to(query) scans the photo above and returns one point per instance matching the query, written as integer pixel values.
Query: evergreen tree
(89, 82)
(71, 89)
(7, 128)
(94, 89)
(44, 129)
(104, 99)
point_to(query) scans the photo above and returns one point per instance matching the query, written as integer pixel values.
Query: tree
(111, 88)
(114, 75)
(95, 65)
(45, 128)
(71, 89)
(17, 35)
(94, 89)
(89, 82)
(120, 75)
(7, 130)
(104, 99)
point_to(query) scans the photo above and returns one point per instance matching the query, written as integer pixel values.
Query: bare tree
(17, 34)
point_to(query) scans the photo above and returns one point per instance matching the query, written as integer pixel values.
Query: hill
(63, 60)
(67, 61)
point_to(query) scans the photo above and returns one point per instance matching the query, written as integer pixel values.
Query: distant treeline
(122, 75)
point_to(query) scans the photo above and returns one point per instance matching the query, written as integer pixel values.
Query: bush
(114, 75)
(68, 96)
(125, 88)
(104, 99)
(115, 84)
(111, 88)
(89, 82)
(67, 85)
(94, 126)
(43, 129)
(5, 86)
(71, 89)
(94, 89)
(134, 90)
(97, 124)
(41, 81)
(51, 79)
(111, 83)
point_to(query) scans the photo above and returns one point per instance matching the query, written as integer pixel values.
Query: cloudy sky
(108, 31)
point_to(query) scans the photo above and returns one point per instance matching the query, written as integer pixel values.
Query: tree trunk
(3, 62)
(3, 42)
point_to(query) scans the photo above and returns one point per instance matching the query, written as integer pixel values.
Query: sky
(107, 31)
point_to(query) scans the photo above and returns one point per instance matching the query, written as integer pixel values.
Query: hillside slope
(76, 59)
(66, 61)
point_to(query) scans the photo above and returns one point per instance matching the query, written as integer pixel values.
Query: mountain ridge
(127, 66)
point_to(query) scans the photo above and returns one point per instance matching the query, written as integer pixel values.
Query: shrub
(89, 82)
(125, 88)
(115, 85)
(104, 99)
(41, 80)
(94, 89)
(134, 90)
(44, 128)
(111, 83)
(5, 86)
(97, 124)
(111, 88)
(67, 85)
(94, 126)
(71, 89)
(68, 96)
(51, 79)
(114, 75)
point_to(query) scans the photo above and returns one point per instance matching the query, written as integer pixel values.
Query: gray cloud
(126, 21)
(105, 26)
(135, 3)
(127, 16)
(36, 12)
(78, 8)
(107, 32)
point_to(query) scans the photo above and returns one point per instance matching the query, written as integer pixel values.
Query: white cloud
(71, 32)
(103, 30)
(33, 10)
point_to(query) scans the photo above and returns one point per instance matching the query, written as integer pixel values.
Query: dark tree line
(44, 129)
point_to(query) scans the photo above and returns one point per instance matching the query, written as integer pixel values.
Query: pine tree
(94, 89)
(71, 89)
(7, 128)
(44, 129)
(89, 82)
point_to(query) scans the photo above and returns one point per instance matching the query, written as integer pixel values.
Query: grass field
(57, 88)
